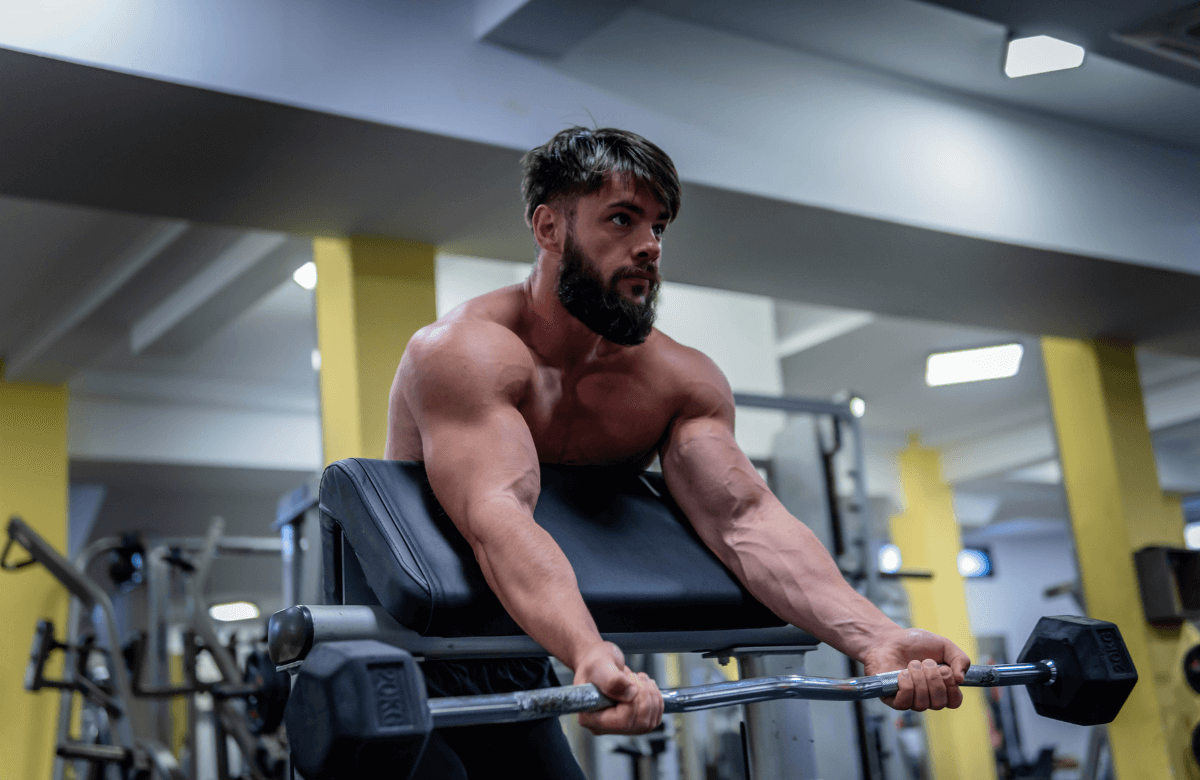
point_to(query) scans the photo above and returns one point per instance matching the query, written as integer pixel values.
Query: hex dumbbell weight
(359, 707)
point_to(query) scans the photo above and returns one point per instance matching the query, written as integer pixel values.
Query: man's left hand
(932, 669)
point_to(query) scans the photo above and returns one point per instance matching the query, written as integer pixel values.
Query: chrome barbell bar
(546, 702)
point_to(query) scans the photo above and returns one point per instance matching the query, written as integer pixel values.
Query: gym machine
(110, 677)
(401, 582)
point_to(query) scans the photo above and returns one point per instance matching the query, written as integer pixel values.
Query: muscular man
(567, 368)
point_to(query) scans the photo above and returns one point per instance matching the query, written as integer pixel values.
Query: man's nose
(648, 249)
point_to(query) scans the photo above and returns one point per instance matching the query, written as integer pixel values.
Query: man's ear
(549, 228)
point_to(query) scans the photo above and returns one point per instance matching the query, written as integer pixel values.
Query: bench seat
(640, 566)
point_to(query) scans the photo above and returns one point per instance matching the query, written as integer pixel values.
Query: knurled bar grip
(545, 702)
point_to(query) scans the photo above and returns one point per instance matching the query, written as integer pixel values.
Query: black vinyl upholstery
(639, 564)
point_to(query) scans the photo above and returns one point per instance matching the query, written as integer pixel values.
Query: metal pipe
(531, 705)
(226, 545)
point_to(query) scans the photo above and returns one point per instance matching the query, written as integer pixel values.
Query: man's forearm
(783, 564)
(533, 579)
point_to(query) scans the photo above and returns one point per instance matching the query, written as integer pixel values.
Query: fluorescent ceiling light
(316, 360)
(306, 275)
(973, 365)
(1040, 54)
(233, 610)
(890, 559)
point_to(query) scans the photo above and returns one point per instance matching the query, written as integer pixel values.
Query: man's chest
(597, 416)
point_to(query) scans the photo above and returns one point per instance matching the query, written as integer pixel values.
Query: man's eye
(659, 230)
(621, 219)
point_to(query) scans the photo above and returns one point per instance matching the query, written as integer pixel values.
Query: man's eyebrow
(636, 209)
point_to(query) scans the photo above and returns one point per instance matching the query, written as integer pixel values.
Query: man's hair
(575, 161)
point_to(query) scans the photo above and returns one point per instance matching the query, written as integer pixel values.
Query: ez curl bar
(359, 707)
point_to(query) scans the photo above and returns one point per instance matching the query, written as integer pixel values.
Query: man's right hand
(640, 704)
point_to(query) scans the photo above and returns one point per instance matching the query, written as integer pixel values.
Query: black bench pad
(639, 564)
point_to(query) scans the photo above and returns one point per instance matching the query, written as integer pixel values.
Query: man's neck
(554, 334)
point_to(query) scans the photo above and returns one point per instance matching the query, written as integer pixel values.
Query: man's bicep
(489, 459)
(476, 445)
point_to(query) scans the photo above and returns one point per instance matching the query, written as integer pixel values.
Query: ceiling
(959, 45)
(317, 174)
(181, 212)
(1096, 25)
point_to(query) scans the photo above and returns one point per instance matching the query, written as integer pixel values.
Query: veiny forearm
(783, 564)
(533, 579)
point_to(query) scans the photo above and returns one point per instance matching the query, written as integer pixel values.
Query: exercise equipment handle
(546, 702)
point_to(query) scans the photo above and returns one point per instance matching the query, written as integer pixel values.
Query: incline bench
(397, 570)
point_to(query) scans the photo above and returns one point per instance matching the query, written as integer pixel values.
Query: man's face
(609, 277)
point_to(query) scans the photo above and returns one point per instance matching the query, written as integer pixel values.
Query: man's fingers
(652, 714)
(904, 693)
(656, 699)
(920, 686)
(637, 716)
(938, 696)
(953, 692)
(959, 663)
(618, 684)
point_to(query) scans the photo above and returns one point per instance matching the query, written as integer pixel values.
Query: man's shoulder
(465, 343)
(460, 363)
(679, 361)
(694, 379)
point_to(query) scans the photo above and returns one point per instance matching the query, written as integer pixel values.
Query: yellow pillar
(372, 295)
(179, 704)
(33, 484)
(1116, 508)
(928, 537)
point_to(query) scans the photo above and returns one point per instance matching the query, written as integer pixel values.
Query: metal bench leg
(779, 734)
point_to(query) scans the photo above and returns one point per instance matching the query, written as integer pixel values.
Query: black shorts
(535, 749)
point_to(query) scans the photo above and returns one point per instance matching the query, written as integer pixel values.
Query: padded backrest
(639, 564)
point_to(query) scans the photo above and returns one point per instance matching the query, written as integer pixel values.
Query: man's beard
(605, 311)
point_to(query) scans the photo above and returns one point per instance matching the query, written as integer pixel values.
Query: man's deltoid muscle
(567, 368)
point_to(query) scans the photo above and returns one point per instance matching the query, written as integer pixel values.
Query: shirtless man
(567, 368)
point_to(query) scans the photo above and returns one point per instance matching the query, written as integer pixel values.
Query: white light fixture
(306, 275)
(890, 560)
(233, 610)
(1191, 536)
(316, 360)
(853, 401)
(974, 563)
(1040, 54)
(973, 365)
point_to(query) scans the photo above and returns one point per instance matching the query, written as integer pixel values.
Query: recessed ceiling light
(973, 365)
(233, 610)
(306, 275)
(858, 407)
(1040, 54)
